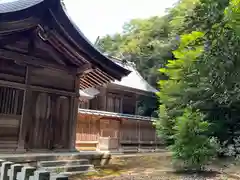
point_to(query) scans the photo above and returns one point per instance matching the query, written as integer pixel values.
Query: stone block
(41, 175)
(15, 168)
(5, 170)
(26, 173)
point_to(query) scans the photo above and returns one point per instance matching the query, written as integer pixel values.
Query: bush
(192, 147)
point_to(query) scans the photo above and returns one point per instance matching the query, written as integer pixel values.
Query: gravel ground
(155, 167)
(162, 177)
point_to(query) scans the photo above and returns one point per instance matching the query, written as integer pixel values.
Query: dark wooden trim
(35, 88)
(18, 26)
(73, 116)
(83, 69)
(10, 76)
(23, 124)
(54, 91)
(31, 60)
(12, 85)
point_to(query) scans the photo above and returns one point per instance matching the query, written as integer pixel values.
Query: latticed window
(11, 101)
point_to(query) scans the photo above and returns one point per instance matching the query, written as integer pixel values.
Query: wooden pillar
(25, 114)
(103, 99)
(139, 134)
(98, 129)
(73, 116)
(119, 135)
(136, 104)
(121, 103)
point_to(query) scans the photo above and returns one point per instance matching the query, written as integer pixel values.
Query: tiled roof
(16, 5)
(134, 79)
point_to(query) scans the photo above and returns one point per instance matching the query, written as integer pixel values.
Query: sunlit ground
(159, 167)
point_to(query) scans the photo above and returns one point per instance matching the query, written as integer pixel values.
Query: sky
(100, 17)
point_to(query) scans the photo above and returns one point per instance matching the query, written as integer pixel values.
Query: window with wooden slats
(11, 101)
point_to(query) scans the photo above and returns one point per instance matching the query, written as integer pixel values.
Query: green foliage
(165, 126)
(202, 39)
(192, 147)
(176, 90)
(232, 14)
(207, 78)
(144, 42)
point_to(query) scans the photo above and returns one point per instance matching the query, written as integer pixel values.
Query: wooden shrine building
(110, 117)
(44, 59)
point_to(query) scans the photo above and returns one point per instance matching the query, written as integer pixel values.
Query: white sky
(101, 17)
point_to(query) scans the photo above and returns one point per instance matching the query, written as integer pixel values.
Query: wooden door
(41, 132)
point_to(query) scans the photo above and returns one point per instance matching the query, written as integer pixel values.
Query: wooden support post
(121, 103)
(15, 168)
(103, 99)
(119, 135)
(73, 116)
(139, 136)
(23, 128)
(98, 129)
(4, 170)
(136, 104)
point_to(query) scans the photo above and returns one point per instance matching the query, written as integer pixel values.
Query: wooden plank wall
(109, 133)
(87, 128)
(129, 131)
(147, 132)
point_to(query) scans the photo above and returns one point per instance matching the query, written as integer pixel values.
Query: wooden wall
(87, 128)
(37, 107)
(11, 103)
(108, 133)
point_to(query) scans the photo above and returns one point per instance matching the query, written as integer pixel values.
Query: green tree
(192, 148)
(209, 80)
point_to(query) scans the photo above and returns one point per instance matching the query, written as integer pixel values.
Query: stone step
(36, 157)
(73, 168)
(77, 172)
(62, 163)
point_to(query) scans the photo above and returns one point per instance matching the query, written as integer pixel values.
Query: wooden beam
(12, 38)
(53, 53)
(31, 60)
(12, 84)
(81, 57)
(84, 69)
(21, 25)
(61, 48)
(54, 91)
(92, 80)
